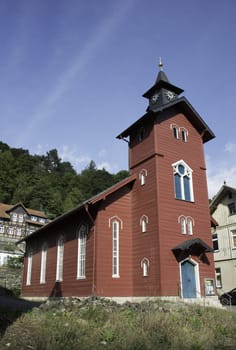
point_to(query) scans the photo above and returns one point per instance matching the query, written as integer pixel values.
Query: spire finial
(160, 64)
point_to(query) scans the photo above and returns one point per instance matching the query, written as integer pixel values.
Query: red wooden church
(149, 235)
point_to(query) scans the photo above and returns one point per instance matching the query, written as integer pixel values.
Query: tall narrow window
(142, 177)
(143, 223)
(215, 242)
(175, 132)
(218, 277)
(189, 225)
(43, 264)
(233, 238)
(60, 253)
(183, 181)
(145, 266)
(29, 269)
(183, 135)
(115, 249)
(182, 221)
(82, 237)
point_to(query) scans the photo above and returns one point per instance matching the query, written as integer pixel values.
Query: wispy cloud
(99, 38)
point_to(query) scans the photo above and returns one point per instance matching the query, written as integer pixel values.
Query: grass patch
(101, 324)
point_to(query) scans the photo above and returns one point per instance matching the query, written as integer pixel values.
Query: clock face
(170, 95)
(154, 98)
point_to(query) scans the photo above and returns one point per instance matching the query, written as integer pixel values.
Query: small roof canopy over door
(191, 247)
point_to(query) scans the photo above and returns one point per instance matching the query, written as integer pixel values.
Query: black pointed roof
(162, 82)
(180, 104)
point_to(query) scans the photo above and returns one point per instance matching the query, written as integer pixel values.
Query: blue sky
(72, 74)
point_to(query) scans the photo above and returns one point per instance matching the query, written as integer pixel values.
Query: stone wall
(10, 278)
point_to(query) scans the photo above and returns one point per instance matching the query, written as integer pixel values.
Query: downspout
(94, 247)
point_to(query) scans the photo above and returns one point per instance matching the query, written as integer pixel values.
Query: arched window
(115, 248)
(142, 177)
(145, 266)
(81, 259)
(189, 225)
(43, 264)
(143, 223)
(186, 224)
(183, 181)
(60, 253)
(184, 134)
(175, 131)
(182, 221)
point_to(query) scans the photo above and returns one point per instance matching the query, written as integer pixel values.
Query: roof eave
(90, 201)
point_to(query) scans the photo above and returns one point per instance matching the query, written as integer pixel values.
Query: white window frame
(14, 217)
(182, 221)
(142, 177)
(145, 267)
(175, 131)
(143, 223)
(18, 231)
(115, 248)
(11, 230)
(184, 134)
(29, 268)
(81, 257)
(233, 235)
(215, 239)
(2, 229)
(43, 264)
(218, 277)
(60, 256)
(187, 173)
(21, 218)
(189, 224)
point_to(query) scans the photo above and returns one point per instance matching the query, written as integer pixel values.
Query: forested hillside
(44, 182)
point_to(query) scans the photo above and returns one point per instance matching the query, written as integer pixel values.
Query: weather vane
(160, 64)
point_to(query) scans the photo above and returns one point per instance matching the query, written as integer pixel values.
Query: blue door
(188, 280)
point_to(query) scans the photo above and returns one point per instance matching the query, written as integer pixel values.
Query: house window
(60, 253)
(10, 230)
(142, 177)
(143, 223)
(43, 264)
(182, 221)
(33, 218)
(183, 135)
(14, 217)
(145, 266)
(232, 209)
(115, 249)
(218, 277)
(233, 238)
(29, 269)
(18, 231)
(1, 229)
(215, 242)
(183, 181)
(21, 218)
(186, 224)
(175, 132)
(82, 237)
(42, 220)
(189, 225)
